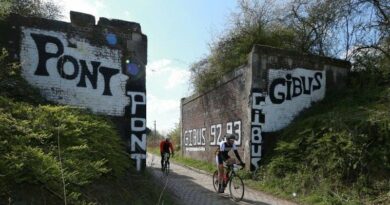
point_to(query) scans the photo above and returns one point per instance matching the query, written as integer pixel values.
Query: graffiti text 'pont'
(79, 67)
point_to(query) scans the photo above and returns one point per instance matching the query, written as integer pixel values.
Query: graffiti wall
(274, 88)
(207, 118)
(289, 92)
(100, 67)
(69, 70)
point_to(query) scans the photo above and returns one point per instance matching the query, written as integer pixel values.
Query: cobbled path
(194, 187)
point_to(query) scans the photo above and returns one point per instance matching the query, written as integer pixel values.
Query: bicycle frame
(232, 176)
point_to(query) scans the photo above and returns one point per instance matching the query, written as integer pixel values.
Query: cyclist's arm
(161, 146)
(237, 156)
(236, 153)
(170, 146)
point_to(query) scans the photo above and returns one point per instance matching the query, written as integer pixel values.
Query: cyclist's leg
(162, 160)
(220, 173)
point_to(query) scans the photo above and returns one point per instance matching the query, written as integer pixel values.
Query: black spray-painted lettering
(257, 122)
(42, 41)
(293, 87)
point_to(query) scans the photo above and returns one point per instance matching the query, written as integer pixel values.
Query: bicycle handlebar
(242, 166)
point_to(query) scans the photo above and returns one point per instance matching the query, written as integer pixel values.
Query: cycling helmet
(231, 137)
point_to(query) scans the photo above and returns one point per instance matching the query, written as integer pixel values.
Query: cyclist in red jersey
(165, 147)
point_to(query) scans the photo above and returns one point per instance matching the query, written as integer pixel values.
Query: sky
(179, 33)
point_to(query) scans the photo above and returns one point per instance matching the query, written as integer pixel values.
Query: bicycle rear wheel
(236, 188)
(215, 180)
(166, 170)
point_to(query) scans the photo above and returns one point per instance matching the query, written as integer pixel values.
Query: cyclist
(223, 156)
(165, 147)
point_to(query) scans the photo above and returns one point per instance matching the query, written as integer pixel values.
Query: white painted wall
(64, 91)
(278, 116)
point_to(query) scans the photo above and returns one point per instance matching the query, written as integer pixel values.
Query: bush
(340, 155)
(39, 144)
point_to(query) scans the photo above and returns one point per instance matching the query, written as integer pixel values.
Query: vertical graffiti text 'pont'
(138, 127)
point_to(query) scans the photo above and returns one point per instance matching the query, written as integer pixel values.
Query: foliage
(253, 24)
(175, 135)
(340, 156)
(13, 85)
(350, 29)
(31, 8)
(39, 144)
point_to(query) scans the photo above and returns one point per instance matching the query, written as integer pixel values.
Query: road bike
(236, 185)
(165, 167)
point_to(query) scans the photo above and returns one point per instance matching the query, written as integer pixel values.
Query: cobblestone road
(194, 187)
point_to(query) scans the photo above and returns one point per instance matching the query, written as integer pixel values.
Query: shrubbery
(39, 143)
(338, 152)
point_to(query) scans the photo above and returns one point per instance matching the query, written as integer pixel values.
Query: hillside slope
(337, 152)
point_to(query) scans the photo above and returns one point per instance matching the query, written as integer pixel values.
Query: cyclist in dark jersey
(165, 147)
(222, 155)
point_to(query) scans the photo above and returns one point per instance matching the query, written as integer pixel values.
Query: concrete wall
(275, 87)
(283, 84)
(206, 118)
(100, 67)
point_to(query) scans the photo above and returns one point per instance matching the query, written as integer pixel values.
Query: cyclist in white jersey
(222, 155)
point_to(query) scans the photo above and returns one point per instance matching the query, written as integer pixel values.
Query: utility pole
(155, 135)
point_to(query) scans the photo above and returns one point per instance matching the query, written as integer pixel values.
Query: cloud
(93, 7)
(175, 75)
(164, 111)
(167, 81)
(160, 106)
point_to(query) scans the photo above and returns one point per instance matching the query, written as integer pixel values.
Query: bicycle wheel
(166, 167)
(236, 188)
(215, 180)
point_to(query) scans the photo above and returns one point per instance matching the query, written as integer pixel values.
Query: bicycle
(236, 185)
(166, 163)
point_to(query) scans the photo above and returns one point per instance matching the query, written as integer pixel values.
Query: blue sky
(178, 31)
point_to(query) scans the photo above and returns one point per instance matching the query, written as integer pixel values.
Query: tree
(255, 22)
(31, 8)
(356, 30)
(175, 135)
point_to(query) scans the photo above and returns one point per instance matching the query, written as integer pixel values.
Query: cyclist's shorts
(162, 154)
(218, 159)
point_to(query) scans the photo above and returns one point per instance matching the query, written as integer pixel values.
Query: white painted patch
(278, 116)
(65, 91)
(195, 149)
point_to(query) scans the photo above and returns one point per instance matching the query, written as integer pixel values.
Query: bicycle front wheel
(236, 188)
(215, 180)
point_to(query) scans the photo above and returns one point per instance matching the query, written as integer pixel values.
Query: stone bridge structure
(255, 100)
(100, 67)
